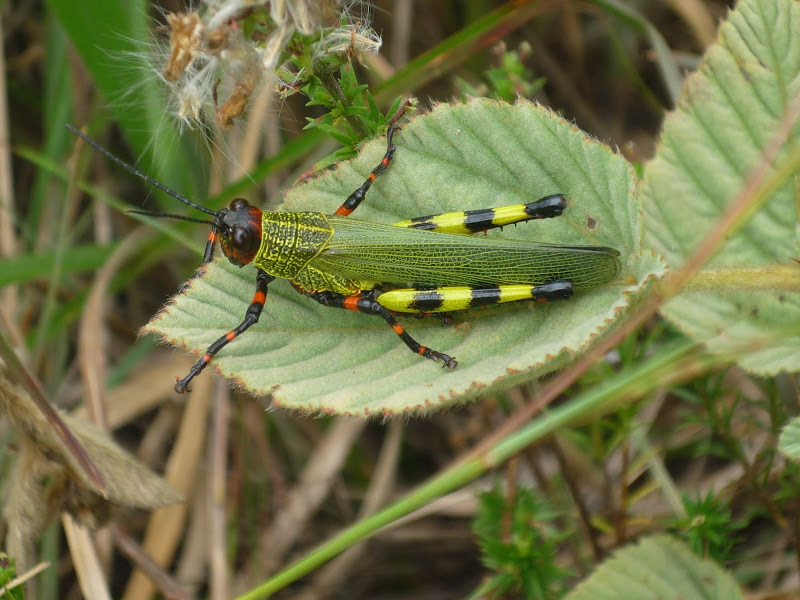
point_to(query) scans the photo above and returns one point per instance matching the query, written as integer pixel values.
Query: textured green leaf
(482, 154)
(658, 568)
(789, 440)
(727, 114)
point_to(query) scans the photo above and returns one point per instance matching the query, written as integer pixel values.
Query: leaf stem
(777, 278)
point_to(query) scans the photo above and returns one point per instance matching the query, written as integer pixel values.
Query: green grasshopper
(420, 267)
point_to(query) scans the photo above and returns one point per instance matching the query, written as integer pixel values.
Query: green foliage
(353, 115)
(509, 80)
(105, 38)
(729, 114)
(329, 80)
(709, 528)
(718, 405)
(8, 571)
(519, 546)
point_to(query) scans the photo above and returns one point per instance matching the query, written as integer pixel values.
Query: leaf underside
(728, 113)
(789, 440)
(658, 568)
(458, 157)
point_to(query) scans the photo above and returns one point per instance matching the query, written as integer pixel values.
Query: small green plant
(221, 54)
(709, 528)
(519, 546)
(508, 80)
(353, 114)
(8, 572)
(710, 395)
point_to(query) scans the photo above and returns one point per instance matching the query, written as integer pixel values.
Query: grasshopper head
(239, 231)
(237, 227)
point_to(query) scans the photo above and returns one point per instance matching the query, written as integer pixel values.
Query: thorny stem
(326, 76)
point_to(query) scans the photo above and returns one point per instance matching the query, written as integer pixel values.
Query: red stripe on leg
(351, 302)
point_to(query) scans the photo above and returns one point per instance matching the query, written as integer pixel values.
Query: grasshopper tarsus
(447, 361)
(182, 385)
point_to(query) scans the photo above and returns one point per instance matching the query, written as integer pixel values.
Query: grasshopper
(424, 266)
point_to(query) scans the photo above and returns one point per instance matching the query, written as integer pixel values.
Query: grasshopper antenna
(152, 213)
(131, 169)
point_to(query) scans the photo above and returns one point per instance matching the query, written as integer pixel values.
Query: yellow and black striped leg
(250, 319)
(472, 221)
(354, 199)
(364, 303)
(446, 299)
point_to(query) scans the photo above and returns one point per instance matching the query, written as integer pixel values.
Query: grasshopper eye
(238, 204)
(240, 238)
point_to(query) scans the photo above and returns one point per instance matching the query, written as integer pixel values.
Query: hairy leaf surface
(727, 115)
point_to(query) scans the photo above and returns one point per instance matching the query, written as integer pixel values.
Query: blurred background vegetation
(79, 278)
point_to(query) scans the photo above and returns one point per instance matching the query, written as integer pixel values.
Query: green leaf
(789, 440)
(104, 35)
(458, 157)
(342, 138)
(76, 259)
(8, 572)
(657, 568)
(727, 114)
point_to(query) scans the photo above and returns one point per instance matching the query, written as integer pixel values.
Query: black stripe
(485, 295)
(422, 222)
(561, 289)
(478, 220)
(549, 206)
(427, 301)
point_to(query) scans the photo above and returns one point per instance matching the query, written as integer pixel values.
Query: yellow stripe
(506, 215)
(513, 293)
(452, 222)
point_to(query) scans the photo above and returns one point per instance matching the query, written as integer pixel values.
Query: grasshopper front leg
(354, 199)
(250, 318)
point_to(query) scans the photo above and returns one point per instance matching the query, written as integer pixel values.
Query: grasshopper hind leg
(365, 303)
(473, 221)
